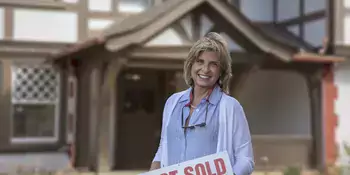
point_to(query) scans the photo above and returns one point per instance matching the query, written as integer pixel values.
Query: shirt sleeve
(243, 150)
(157, 157)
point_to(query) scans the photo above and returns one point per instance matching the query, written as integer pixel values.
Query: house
(106, 97)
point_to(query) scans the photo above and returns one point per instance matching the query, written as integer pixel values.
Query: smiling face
(205, 70)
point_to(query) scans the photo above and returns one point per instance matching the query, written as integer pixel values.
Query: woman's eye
(215, 64)
(199, 61)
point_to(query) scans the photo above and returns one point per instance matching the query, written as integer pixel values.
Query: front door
(142, 94)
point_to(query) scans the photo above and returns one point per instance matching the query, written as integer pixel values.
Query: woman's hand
(155, 165)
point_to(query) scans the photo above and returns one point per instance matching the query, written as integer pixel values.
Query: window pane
(71, 1)
(100, 5)
(34, 85)
(133, 6)
(99, 24)
(33, 120)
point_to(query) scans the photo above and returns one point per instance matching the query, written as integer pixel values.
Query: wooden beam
(82, 148)
(114, 67)
(83, 11)
(18, 48)
(95, 109)
(301, 15)
(182, 32)
(108, 111)
(233, 32)
(142, 35)
(160, 53)
(9, 23)
(315, 95)
(303, 19)
(310, 57)
(330, 23)
(155, 65)
(34, 4)
(196, 25)
(177, 53)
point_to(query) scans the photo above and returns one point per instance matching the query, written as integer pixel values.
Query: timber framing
(330, 13)
(137, 29)
(304, 18)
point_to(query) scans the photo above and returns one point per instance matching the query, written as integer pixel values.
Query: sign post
(215, 164)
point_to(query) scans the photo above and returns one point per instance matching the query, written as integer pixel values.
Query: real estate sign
(215, 164)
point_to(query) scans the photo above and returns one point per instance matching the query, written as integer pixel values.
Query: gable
(140, 29)
(181, 33)
(205, 16)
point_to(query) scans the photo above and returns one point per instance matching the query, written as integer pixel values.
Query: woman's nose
(205, 68)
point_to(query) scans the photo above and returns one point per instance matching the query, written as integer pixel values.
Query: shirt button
(197, 110)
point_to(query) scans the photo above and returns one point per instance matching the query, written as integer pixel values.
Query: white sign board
(218, 164)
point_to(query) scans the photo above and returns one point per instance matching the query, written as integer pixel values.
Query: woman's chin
(204, 84)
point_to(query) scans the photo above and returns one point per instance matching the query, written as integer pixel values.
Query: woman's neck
(198, 94)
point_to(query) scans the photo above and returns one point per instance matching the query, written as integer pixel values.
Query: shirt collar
(214, 97)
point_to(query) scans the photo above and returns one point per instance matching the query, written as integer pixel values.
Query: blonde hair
(212, 42)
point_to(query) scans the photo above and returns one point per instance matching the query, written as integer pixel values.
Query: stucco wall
(277, 102)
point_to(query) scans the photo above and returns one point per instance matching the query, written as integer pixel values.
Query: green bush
(292, 171)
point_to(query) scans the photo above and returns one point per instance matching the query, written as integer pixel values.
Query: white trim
(33, 140)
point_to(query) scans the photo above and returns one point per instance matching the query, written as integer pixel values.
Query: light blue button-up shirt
(199, 141)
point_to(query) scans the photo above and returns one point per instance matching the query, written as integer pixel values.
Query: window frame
(57, 105)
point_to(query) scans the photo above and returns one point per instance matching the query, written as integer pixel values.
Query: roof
(137, 29)
(285, 37)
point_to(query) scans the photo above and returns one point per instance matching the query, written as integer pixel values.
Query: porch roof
(136, 30)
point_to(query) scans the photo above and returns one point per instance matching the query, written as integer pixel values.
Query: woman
(203, 119)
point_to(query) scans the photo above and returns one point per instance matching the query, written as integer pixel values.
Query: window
(133, 6)
(35, 99)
